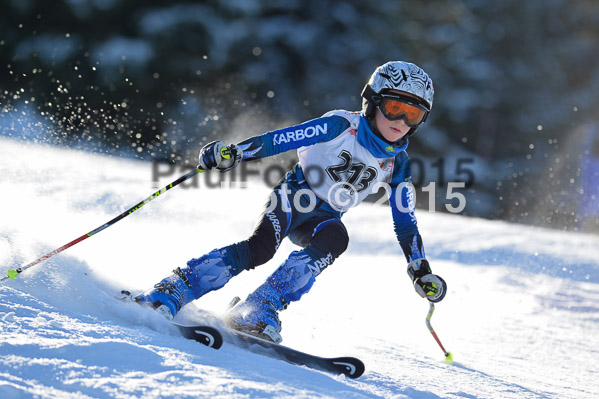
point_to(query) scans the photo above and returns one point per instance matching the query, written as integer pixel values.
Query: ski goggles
(395, 107)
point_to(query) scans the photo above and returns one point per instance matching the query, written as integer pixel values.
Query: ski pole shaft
(13, 273)
(448, 355)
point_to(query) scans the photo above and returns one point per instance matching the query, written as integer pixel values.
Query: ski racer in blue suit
(343, 157)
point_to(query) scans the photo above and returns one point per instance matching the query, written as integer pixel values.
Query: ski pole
(13, 273)
(448, 355)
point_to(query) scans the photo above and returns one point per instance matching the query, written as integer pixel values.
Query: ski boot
(168, 296)
(258, 314)
(200, 276)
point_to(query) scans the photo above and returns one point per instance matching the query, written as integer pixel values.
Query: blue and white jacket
(343, 162)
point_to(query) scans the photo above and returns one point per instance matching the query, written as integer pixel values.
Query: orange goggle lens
(394, 109)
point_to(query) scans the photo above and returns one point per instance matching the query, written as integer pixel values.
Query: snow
(520, 316)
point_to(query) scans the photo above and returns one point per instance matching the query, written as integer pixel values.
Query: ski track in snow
(520, 316)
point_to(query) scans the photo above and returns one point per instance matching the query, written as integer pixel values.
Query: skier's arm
(217, 155)
(317, 130)
(401, 200)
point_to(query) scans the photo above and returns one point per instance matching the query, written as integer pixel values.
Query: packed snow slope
(521, 315)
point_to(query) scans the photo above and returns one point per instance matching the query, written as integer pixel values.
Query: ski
(348, 366)
(211, 337)
(205, 335)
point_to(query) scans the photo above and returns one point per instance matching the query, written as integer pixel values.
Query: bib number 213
(357, 176)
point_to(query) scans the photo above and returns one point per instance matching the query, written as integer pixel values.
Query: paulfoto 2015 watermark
(439, 174)
(343, 196)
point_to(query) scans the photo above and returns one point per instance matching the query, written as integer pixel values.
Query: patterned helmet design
(404, 76)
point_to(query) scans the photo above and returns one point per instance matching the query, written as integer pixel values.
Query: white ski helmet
(398, 75)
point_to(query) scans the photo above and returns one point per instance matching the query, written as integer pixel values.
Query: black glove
(217, 155)
(426, 284)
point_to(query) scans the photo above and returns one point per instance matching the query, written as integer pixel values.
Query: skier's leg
(213, 270)
(270, 230)
(258, 314)
(200, 276)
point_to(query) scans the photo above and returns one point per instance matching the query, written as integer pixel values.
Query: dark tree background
(515, 103)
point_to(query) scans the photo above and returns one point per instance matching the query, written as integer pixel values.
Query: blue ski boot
(259, 313)
(200, 276)
(168, 296)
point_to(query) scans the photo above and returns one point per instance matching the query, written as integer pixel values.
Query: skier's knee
(261, 250)
(332, 238)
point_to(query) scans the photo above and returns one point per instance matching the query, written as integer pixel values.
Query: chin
(394, 137)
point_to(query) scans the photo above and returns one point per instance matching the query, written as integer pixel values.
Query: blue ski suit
(341, 162)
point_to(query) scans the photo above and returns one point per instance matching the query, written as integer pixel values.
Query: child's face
(392, 130)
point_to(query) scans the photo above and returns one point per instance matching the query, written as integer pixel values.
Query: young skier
(343, 156)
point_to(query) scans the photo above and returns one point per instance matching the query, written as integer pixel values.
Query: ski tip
(206, 335)
(212, 337)
(349, 366)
